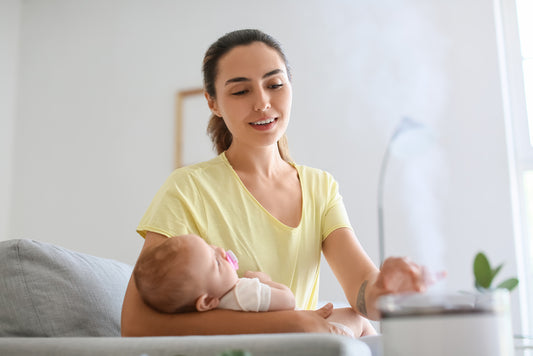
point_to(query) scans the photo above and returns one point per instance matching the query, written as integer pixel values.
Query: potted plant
(484, 275)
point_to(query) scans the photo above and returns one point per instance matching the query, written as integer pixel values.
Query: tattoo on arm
(361, 304)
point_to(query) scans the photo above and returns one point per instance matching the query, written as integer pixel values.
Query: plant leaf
(496, 271)
(482, 271)
(509, 284)
(480, 288)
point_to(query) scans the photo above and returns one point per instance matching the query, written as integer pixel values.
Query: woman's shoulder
(189, 178)
(211, 167)
(312, 173)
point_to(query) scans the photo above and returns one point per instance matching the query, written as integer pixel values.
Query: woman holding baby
(276, 216)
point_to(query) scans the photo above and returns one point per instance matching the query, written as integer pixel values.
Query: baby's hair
(155, 277)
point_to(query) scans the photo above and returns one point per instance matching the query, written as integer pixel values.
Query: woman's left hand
(401, 275)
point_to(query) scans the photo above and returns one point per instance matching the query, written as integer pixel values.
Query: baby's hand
(263, 277)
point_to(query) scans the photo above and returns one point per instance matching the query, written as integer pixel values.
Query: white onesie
(249, 294)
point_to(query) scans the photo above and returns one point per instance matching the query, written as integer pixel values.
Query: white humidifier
(447, 324)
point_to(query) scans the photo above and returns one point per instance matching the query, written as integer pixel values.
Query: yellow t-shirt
(209, 199)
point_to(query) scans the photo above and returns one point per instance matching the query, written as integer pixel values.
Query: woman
(276, 216)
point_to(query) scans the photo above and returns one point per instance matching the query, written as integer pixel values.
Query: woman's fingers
(433, 277)
(400, 274)
(325, 311)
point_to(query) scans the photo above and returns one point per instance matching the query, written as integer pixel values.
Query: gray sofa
(54, 301)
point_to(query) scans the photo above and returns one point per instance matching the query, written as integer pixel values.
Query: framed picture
(192, 144)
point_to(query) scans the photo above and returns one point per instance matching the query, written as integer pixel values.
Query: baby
(185, 274)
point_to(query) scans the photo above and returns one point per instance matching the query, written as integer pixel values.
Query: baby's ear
(205, 303)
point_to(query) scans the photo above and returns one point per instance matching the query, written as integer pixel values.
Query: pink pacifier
(232, 259)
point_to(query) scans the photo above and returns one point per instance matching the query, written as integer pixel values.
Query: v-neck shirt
(209, 199)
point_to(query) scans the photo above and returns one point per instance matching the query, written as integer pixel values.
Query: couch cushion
(47, 290)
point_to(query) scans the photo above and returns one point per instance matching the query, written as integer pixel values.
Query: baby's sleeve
(252, 295)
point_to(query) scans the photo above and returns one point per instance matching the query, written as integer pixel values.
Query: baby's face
(212, 273)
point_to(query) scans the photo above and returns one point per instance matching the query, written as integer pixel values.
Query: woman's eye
(276, 86)
(240, 92)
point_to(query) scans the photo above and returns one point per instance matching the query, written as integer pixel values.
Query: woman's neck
(261, 161)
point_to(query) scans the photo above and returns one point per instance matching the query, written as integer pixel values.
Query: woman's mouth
(264, 122)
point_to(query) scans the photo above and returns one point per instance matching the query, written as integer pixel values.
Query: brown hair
(155, 278)
(217, 129)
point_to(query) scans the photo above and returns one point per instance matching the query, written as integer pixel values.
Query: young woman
(278, 217)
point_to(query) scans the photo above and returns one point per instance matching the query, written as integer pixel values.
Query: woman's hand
(325, 326)
(401, 275)
(362, 282)
(397, 275)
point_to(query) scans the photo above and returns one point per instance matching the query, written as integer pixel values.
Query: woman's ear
(205, 303)
(212, 103)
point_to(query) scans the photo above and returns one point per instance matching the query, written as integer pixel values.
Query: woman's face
(253, 95)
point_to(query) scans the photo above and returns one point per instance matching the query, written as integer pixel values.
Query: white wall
(9, 41)
(95, 118)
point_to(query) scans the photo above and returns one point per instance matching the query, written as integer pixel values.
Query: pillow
(47, 290)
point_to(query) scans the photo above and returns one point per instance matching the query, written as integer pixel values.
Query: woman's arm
(140, 320)
(361, 281)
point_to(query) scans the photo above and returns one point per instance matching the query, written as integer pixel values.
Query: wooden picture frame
(191, 117)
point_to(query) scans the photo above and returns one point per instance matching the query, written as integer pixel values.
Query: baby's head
(182, 274)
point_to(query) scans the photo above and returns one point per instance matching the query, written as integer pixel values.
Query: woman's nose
(262, 101)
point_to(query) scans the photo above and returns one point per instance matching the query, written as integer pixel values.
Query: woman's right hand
(314, 321)
(325, 312)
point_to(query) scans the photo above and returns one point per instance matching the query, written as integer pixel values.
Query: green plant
(484, 275)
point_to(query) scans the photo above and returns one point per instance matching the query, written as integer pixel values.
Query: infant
(185, 274)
